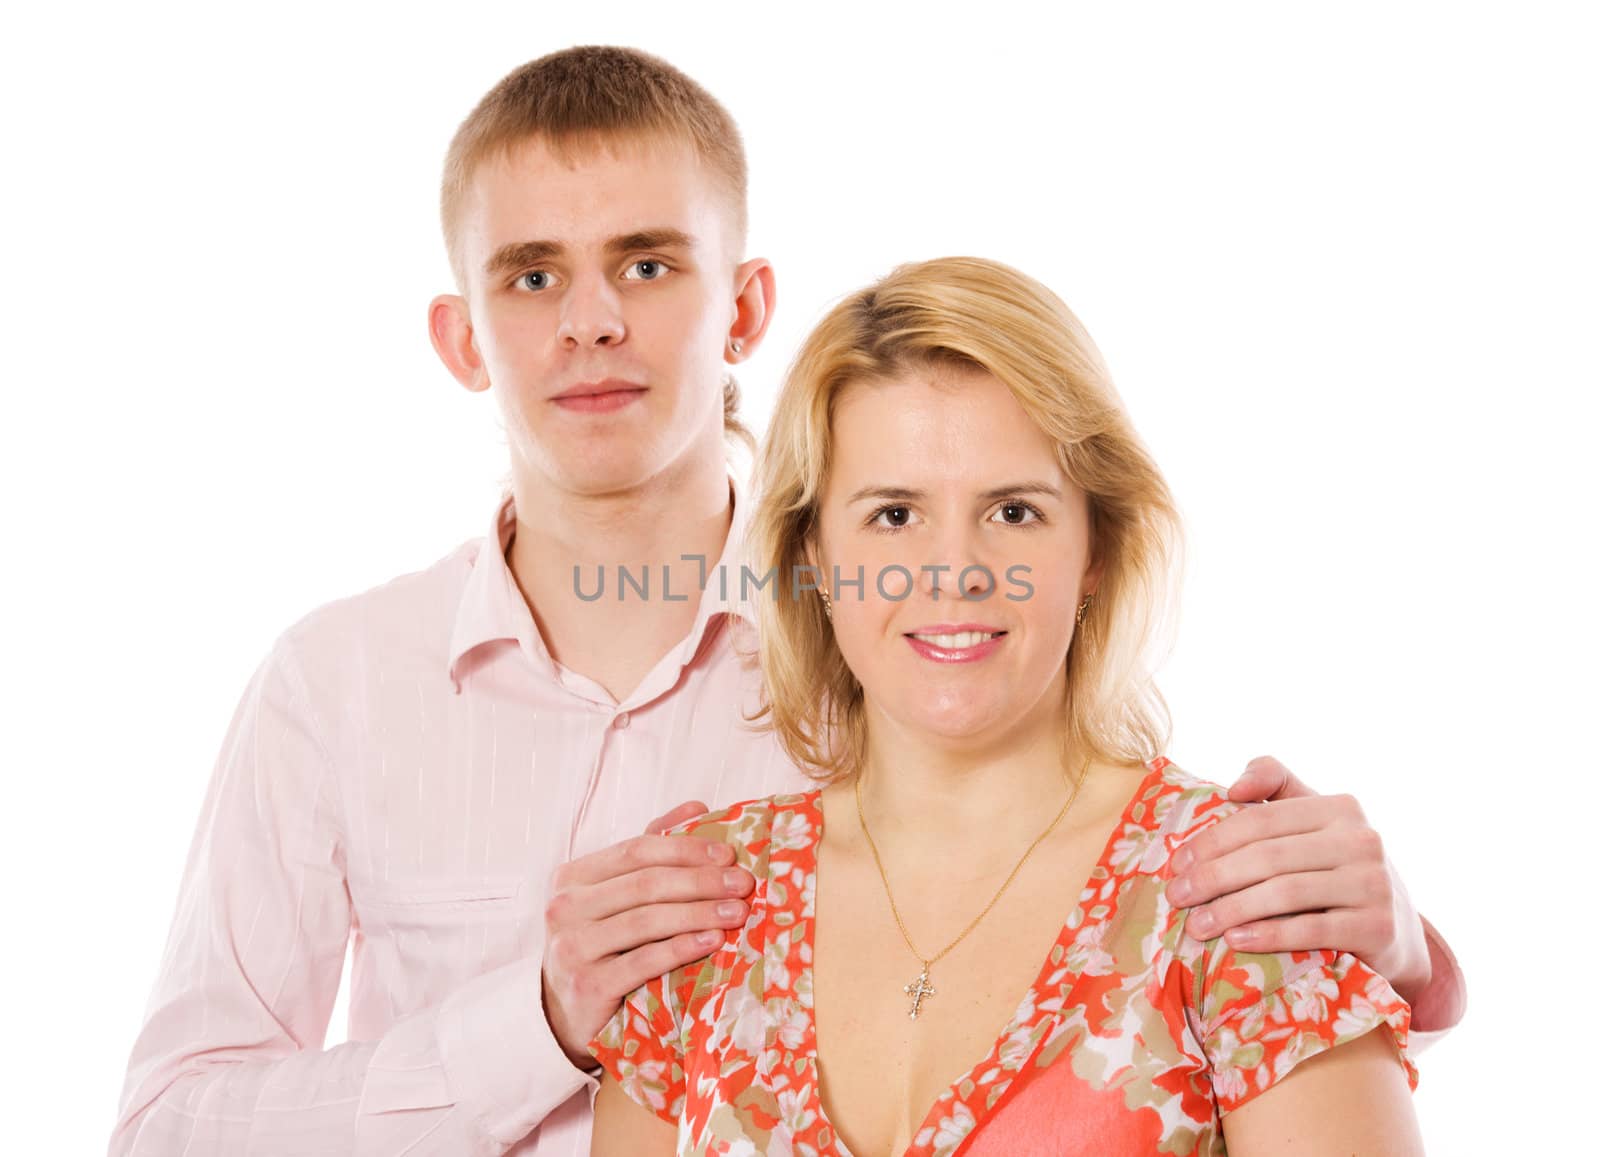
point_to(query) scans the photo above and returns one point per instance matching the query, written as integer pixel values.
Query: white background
(1342, 263)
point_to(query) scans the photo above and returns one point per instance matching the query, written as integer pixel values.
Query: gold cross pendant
(919, 990)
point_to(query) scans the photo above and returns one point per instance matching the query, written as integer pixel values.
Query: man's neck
(565, 542)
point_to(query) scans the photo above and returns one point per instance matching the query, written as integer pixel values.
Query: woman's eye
(1017, 513)
(648, 270)
(534, 279)
(897, 516)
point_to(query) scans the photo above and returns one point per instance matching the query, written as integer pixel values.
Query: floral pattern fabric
(1134, 1038)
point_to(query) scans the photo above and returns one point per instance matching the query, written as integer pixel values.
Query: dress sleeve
(1258, 1015)
(644, 1046)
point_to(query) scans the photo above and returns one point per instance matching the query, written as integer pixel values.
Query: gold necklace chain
(921, 989)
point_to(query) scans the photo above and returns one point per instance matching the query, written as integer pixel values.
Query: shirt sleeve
(230, 1057)
(1258, 1015)
(1442, 1004)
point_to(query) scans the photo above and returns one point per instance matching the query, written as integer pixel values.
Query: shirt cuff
(1443, 1002)
(505, 1067)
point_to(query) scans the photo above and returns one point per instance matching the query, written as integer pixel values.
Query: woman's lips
(940, 653)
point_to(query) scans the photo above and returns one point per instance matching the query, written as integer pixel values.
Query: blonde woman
(961, 941)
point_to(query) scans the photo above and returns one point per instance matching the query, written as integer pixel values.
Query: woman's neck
(922, 794)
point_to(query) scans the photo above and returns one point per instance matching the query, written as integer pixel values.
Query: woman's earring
(827, 603)
(1082, 607)
(736, 345)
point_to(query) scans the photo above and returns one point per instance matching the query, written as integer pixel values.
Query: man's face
(609, 274)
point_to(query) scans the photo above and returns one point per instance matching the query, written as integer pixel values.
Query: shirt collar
(492, 608)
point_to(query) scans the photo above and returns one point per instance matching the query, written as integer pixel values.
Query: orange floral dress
(1134, 1038)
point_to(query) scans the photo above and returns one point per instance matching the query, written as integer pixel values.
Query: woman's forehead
(968, 433)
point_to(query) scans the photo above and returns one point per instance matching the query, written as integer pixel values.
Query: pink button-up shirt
(404, 773)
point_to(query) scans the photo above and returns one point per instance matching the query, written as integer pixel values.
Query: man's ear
(755, 296)
(450, 330)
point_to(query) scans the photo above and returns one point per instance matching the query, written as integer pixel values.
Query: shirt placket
(603, 759)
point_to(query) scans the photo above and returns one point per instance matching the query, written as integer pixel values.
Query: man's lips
(599, 397)
(591, 389)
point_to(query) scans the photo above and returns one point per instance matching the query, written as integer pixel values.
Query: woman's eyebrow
(1029, 487)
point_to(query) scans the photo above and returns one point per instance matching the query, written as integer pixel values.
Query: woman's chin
(960, 724)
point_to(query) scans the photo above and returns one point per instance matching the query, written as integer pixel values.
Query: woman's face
(942, 468)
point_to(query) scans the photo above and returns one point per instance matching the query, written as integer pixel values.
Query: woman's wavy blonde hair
(971, 313)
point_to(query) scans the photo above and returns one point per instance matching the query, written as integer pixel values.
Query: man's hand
(1306, 871)
(628, 914)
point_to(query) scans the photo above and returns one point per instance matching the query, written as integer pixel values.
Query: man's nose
(591, 314)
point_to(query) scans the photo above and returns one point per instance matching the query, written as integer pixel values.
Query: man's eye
(648, 270)
(534, 279)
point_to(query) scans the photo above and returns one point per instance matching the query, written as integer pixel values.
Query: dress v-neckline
(1081, 918)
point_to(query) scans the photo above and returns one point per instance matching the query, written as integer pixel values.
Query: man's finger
(624, 973)
(684, 811)
(1255, 863)
(643, 852)
(1339, 930)
(1264, 779)
(1290, 895)
(1289, 818)
(672, 885)
(645, 925)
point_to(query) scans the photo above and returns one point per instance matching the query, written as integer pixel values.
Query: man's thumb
(1265, 778)
(684, 811)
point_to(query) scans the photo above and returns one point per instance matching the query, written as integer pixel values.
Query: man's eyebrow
(662, 237)
(518, 254)
(521, 254)
(905, 494)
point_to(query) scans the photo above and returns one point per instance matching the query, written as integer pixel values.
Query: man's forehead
(589, 192)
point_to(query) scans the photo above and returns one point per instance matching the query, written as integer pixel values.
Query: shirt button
(621, 720)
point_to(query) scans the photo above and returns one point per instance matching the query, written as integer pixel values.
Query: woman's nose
(956, 571)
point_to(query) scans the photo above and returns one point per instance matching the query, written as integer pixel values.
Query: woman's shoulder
(1178, 805)
(751, 826)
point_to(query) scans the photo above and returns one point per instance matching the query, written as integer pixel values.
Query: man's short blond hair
(581, 96)
(588, 95)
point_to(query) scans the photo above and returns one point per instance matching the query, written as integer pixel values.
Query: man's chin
(598, 470)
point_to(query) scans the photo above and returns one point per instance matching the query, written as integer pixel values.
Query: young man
(450, 771)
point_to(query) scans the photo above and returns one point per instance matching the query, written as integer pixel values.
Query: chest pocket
(422, 942)
(440, 905)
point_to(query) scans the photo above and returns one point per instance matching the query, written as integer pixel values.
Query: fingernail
(734, 880)
(711, 938)
(714, 851)
(1201, 922)
(1242, 937)
(1183, 860)
(728, 909)
(1180, 890)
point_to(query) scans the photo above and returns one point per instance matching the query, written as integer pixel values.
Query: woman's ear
(1092, 577)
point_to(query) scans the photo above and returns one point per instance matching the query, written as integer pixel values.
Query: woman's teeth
(956, 642)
